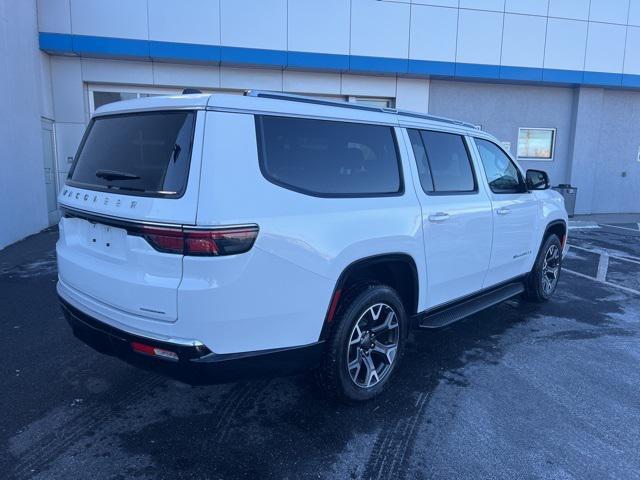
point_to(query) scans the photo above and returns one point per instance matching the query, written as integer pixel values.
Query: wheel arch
(559, 227)
(397, 270)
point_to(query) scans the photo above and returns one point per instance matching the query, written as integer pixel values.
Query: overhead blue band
(391, 66)
(429, 67)
(253, 56)
(184, 52)
(521, 73)
(84, 45)
(127, 48)
(318, 61)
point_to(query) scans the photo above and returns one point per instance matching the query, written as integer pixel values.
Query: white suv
(216, 235)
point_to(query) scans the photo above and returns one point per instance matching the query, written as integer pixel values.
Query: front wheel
(365, 345)
(543, 279)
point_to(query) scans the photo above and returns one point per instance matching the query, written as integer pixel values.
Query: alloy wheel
(550, 269)
(373, 345)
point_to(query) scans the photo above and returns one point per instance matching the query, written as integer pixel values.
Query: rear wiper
(116, 175)
(131, 189)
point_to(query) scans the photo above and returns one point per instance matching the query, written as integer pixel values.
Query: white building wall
(22, 199)
(470, 38)
(370, 48)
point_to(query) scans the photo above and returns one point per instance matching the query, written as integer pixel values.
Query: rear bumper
(196, 364)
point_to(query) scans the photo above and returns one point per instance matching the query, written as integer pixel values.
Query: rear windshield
(136, 154)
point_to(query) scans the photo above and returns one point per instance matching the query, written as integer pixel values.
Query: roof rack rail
(436, 118)
(317, 101)
(336, 103)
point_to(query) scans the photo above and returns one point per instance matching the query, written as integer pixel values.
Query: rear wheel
(365, 345)
(543, 279)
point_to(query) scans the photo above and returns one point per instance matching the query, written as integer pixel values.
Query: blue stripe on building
(109, 47)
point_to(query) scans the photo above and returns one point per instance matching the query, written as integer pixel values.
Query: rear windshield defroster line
(143, 154)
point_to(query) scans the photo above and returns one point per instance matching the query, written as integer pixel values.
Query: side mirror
(537, 180)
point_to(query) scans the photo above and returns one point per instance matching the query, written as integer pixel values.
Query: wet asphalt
(517, 391)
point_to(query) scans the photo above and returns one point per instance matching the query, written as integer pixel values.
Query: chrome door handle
(503, 211)
(438, 217)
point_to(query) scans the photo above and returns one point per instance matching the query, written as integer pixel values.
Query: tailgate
(132, 171)
(118, 269)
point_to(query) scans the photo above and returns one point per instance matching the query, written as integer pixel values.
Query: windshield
(138, 154)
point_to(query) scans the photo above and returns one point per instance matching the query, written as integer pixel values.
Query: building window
(536, 143)
(373, 101)
(104, 94)
(100, 95)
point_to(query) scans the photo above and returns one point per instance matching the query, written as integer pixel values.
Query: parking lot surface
(517, 391)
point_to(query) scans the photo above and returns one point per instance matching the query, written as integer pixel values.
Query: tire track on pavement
(52, 445)
(389, 453)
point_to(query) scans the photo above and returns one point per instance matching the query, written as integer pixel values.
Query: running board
(447, 315)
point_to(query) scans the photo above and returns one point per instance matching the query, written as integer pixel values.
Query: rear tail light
(200, 242)
(164, 239)
(220, 242)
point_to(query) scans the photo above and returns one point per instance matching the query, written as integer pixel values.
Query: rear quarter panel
(304, 244)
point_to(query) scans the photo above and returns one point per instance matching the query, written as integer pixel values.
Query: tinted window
(422, 162)
(328, 158)
(449, 162)
(144, 153)
(503, 176)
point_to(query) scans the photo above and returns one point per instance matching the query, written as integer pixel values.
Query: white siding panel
(523, 41)
(493, 5)
(248, 78)
(251, 24)
(66, 82)
(319, 26)
(479, 37)
(612, 11)
(46, 92)
(183, 76)
(189, 21)
(311, 82)
(368, 85)
(634, 13)
(116, 71)
(413, 94)
(379, 29)
(433, 33)
(573, 9)
(437, 3)
(632, 58)
(529, 7)
(605, 48)
(115, 18)
(566, 44)
(54, 16)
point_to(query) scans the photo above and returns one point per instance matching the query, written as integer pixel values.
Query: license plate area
(105, 239)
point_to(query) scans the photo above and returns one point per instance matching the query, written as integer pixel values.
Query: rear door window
(443, 161)
(137, 154)
(329, 158)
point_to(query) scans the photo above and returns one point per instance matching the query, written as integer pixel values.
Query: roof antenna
(188, 91)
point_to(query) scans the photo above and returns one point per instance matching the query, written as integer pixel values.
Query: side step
(449, 314)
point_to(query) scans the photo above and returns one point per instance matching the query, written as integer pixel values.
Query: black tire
(358, 307)
(537, 290)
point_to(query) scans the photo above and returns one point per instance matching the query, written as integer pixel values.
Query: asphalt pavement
(517, 391)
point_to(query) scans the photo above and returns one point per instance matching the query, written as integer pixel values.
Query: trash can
(569, 193)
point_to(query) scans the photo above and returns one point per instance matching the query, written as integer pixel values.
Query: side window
(443, 162)
(328, 158)
(502, 175)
